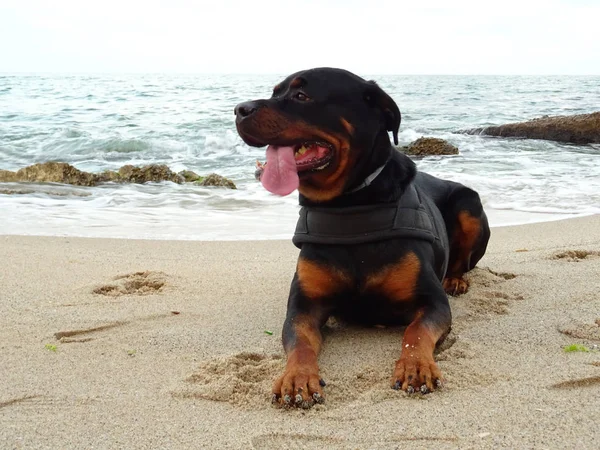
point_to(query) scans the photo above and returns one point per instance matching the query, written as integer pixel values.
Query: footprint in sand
(138, 283)
(243, 379)
(488, 277)
(575, 255)
(485, 295)
(578, 330)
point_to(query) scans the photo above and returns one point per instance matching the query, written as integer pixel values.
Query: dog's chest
(372, 307)
(386, 297)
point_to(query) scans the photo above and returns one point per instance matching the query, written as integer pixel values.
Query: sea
(100, 122)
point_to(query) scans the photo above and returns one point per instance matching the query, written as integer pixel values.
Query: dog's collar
(370, 178)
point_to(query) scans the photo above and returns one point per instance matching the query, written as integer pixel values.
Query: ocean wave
(103, 122)
(117, 145)
(542, 209)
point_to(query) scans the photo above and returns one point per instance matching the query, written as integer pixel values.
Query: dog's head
(325, 129)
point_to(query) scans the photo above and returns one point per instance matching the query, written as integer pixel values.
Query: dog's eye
(301, 96)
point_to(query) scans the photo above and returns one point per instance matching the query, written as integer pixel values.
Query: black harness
(414, 216)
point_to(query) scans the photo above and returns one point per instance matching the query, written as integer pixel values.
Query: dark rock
(190, 176)
(578, 129)
(132, 174)
(6, 176)
(55, 172)
(108, 176)
(427, 146)
(153, 172)
(216, 180)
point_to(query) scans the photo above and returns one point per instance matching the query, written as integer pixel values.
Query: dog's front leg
(416, 370)
(309, 306)
(300, 384)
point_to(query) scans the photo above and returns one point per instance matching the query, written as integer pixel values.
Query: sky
(466, 37)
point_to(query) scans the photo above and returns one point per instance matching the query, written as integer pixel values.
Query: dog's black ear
(375, 96)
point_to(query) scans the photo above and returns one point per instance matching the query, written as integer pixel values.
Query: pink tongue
(281, 175)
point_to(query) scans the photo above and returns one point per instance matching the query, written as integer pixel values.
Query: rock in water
(578, 129)
(427, 146)
(153, 172)
(6, 176)
(108, 175)
(190, 176)
(55, 172)
(217, 180)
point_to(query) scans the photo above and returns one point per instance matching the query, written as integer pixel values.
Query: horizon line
(14, 73)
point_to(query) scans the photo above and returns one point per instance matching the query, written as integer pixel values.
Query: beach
(123, 343)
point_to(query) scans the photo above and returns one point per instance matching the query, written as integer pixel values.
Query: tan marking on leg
(468, 230)
(299, 385)
(465, 237)
(308, 333)
(416, 366)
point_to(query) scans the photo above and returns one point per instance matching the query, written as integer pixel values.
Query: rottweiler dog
(380, 243)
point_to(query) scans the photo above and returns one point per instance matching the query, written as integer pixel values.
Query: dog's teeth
(322, 167)
(302, 150)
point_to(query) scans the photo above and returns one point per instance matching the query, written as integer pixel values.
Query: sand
(162, 344)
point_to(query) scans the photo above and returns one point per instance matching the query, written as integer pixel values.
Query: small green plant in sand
(51, 347)
(131, 352)
(575, 348)
(270, 333)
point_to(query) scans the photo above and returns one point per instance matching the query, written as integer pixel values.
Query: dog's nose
(245, 109)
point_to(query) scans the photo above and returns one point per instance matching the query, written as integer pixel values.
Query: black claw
(424, 389)
(306, 404)
(318, 399)
(287, 399)
(322, 382)
(439, 384)
(298, 399)
(410, 390)
(275, 399)
(397, 385)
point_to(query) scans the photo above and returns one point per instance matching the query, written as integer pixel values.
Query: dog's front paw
(414, 374)
(299, 386)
